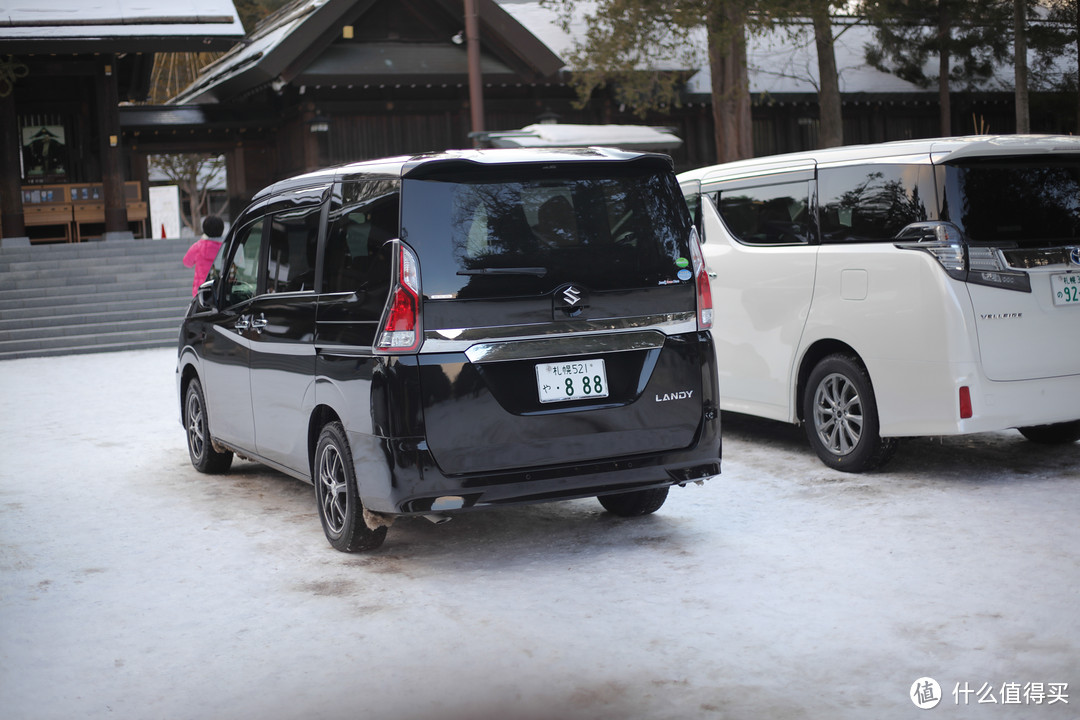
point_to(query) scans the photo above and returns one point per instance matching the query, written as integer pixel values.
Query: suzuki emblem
(571, 295)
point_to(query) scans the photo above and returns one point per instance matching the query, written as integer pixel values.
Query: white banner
(165, 211)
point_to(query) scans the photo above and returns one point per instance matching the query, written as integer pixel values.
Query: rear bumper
(918, 399)
(416, 486)
(399, 473)
(1021, 403)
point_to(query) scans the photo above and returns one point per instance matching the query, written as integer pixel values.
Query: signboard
(165, 211)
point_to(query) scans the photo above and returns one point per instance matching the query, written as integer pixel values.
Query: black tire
(340, 509)
(1056, 434)
(634, 504)
(840, 416)
(197, 426)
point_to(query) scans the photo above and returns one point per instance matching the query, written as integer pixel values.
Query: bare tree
(195, 175)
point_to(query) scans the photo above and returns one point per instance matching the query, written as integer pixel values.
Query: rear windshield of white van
(1033, 202)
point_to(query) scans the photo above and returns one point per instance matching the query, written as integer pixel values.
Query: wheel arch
(320, 416)
(813, 355)
(187, 373)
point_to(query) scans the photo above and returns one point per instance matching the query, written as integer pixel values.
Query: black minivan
(425, 334)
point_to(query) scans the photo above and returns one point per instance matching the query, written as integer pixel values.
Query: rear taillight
(401, 326)
(701, 281)
(980, 265)
(986, 266)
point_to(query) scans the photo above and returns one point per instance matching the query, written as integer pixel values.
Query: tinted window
(242, 275)
(357, 255)
(768, 214)
(871, 203)
(294, 236)
(525, 230)
(1016, 200)
(693, 204)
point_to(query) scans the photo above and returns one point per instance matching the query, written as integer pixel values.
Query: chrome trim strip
(461, 339)
(565, 346)
(347, 351)
(270, 347)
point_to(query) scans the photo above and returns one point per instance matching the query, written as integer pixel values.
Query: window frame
(263, 210)
(926, 180)
(241, 229)
(320, 235)
(714, 192)
(343, 201)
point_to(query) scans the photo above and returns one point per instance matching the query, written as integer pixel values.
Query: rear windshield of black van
(1027, 201)
(526, 229)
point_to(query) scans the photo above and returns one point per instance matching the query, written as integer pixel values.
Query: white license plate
(571, 380)
(1066, 289)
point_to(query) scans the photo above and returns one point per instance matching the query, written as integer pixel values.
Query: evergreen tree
(1053, 37)
(628, 42)
(910, 32)
(1020, 66)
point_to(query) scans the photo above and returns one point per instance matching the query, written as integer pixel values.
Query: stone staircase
(92, 297)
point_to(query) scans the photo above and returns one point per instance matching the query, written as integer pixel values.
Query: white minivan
(927, 287)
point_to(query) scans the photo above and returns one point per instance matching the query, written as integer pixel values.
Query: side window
(872, 203)
(294, 236)
(693, 204)
(241, 272)
(358, 257)
(776, 214)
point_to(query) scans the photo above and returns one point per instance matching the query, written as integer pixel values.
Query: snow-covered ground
(131, 586)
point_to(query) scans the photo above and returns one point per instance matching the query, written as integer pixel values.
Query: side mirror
(204, 299)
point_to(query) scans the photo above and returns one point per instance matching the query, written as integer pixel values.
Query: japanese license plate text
(571, 380)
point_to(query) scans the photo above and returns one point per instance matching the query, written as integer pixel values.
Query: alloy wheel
(838, 414)
(196, 426)
(333, 489)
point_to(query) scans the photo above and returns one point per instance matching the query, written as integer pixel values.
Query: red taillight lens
(965, 402)
(401, 327)
(701, 280)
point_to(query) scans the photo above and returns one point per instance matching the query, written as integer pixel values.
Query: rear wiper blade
(537, 271)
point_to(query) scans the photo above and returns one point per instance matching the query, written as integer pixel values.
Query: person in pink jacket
(202, 252)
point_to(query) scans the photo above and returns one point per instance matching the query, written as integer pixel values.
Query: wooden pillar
(112, 166)
(307, 146)
(236, 182)
(11, 205)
